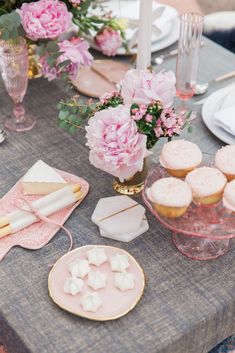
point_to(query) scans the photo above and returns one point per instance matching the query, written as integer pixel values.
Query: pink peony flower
(109, 41)
(140, 86)
(115, 144)
(75, 50)
(45, 19)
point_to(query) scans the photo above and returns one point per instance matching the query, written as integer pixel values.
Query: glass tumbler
(14, 65)
(191, 25)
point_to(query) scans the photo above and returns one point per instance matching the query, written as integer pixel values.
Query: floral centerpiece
(124, 125)
(57, 28)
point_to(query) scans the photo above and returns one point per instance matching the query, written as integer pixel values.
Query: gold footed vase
(133, 185)
(34, 65)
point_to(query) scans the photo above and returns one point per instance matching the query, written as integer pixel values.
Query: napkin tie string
(41, 217)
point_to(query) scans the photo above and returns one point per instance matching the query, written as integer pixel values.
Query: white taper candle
(145, 35)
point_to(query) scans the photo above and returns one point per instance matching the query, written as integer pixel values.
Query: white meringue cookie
(96, 256)
(119, 262)
(91, 302)
(96, 280)
(79, 268)
(124, 281)
(73, 285)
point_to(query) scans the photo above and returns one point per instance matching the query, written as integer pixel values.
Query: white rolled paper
(46, 205)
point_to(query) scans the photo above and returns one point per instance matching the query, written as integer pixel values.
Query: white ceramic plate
(213, 104)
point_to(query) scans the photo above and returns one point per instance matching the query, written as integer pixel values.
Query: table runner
(188, 306)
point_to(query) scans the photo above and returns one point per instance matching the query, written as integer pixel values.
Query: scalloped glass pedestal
(202, 233)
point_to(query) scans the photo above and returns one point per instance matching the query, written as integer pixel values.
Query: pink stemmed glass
(191, 25)
(14, 70)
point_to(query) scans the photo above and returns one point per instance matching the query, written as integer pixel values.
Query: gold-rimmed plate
(115, 303)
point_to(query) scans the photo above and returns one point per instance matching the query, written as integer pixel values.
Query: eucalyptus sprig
(73, 113)
(10, 25)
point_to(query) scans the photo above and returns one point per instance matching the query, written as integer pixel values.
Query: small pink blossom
(143, 87)
(116, 146)
(169, 123)
(109, 41)
(45, 19)
(149, 118)
(107, 96)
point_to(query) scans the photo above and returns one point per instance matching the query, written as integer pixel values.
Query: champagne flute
(14, 65)
(191, 25)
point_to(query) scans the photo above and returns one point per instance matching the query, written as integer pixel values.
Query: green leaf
(64, 63)
(63, 114)
(50, 60)
(190, 129)
(5, 35)
(63, 125)
(72, 118)
(74, 110)
(72, 129)
(52, 47)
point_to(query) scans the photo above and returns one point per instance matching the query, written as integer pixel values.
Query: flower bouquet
(125, 124)
(57, 28)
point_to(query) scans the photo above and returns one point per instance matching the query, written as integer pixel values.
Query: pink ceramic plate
(38, 234)
(115, 302)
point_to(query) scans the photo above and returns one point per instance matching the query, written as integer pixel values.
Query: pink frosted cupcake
(207, 185)
(179, 157)
(229, 196)
(170, 197)
(225, 161)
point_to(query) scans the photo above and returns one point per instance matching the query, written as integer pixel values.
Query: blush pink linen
(116, 146)
(45, 19)
(109, 41)
(38, 234)
(143, 87)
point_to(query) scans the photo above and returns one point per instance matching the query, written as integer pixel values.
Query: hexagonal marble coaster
(126, 237)
(120, 218)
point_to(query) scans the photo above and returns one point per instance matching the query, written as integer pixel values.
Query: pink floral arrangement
(48, 23)
(125, 124)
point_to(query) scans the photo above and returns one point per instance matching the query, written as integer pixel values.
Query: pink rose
(115, 144)
(142, 87)
(45, 19)
(109, 41)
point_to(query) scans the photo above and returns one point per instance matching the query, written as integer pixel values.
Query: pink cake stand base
(200, 248)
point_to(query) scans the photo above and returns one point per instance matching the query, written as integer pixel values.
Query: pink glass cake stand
(202, 233)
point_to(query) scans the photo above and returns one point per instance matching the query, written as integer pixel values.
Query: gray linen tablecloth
(188, 306)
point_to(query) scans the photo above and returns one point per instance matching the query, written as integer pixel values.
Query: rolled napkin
(225, 118)
(45, 206)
